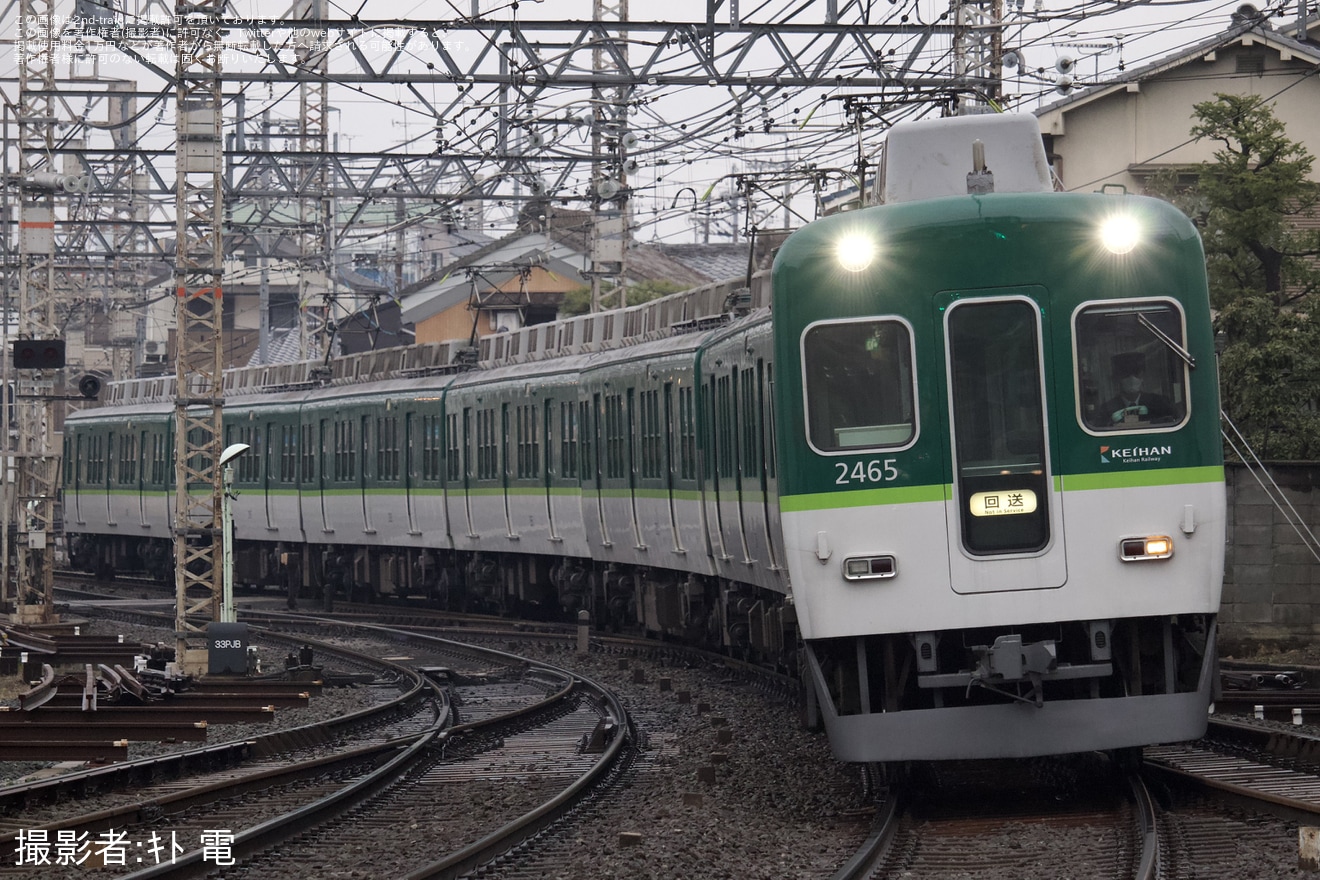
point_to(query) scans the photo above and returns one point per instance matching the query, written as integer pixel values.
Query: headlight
(861, 568)
(855, 251)
(1145, 547)
(1120, 233)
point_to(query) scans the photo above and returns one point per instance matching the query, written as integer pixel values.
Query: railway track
(517, 754)
(1267, 768)
(1221, 800)
(491, 720)
(999, 821)
(135, 795)
(1115, 836)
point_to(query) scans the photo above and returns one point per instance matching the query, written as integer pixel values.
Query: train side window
(1128, 377)
(587, 434)
(568, 445)
(158, 459)
(288, 454)
(453, 449)
(687, 433)
(749, 418)
(614, 438)
(250, 465)
(307, 441)
(858, 383)
(387, 449)
(96, 460)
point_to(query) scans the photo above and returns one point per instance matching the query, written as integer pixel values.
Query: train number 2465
(873, 471)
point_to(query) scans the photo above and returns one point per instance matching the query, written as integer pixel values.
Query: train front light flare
(1120, 233)
(1146, 547)
(855, 251)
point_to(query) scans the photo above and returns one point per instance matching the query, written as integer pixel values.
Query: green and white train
(958, 460)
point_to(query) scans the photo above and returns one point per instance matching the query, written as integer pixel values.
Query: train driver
(1133, 404)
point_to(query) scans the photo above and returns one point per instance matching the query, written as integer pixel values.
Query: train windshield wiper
(1167, 340)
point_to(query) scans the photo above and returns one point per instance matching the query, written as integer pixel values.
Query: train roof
(570, 344)
(934, 157)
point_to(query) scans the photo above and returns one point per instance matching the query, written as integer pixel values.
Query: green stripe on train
(1137, 479)
(861, 498)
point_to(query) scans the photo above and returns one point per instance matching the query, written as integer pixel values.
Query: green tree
(578, 300)
(1264, 273)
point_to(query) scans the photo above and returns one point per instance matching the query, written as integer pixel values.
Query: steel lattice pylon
(609, 226)
(198, 272)
(314, 206)
(38, 460)
(978, 46)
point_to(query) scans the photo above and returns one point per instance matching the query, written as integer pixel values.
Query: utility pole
(37, 458)
(199, 306)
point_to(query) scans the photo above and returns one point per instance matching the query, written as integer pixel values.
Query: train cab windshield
(1130, 376)
(998, 408)
(858, 382)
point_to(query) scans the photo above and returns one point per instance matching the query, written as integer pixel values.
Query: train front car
(1001, 471)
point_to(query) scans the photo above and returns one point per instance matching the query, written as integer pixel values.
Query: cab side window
(859, 385)
(1129, 375)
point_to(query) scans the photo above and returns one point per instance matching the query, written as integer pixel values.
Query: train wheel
(1127, 760)
(889, 776)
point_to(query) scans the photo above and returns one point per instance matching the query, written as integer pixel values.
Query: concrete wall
(1271, 578)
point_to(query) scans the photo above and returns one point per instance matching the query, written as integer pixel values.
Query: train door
(506, 466)
(597, 446)
(452, 469)
(760, 417)
(631, 445)
(110, 477)
(667, 429)
(731, 464)
(275, 444)
(412, 441)
(468, 458)
(1004, 519)
(141, 454)
(322, 475)
(713, 467)
(77, 474)
(369, 447)
(547, 469)
(747, 397)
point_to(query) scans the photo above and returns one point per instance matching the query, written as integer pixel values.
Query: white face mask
(1130, 385)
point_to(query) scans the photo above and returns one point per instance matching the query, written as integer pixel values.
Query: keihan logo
(1131, 454)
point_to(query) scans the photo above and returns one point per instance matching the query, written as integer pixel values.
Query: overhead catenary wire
(697, 138)
(1266, 481)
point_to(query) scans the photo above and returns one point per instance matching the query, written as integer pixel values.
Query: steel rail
(282, 829)
(1149, 866)
(529, 825)
(871, 856)
(127, 773)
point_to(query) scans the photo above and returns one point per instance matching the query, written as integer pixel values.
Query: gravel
(779, 805)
